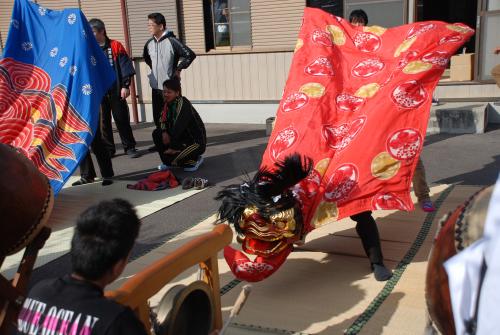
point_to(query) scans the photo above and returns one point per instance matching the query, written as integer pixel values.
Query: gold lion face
(268, 236)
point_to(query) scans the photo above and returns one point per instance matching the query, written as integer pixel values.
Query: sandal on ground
(200, 183)
(187, 183)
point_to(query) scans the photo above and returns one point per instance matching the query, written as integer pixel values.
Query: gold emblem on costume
(459, 28)
(338, 37)
(416, 67)
(299, 44)
(326, 212)
(384, 166)
(322, 165)
(367, 91)
(377, 30)
(313, 90)
(405, 46)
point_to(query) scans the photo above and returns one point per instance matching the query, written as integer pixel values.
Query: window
(227, 23)
(385, 13)
(335, 7)
(488, 38)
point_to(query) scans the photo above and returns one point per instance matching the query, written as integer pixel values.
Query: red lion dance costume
(355, 108)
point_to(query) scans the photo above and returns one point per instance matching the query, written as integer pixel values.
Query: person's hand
(171, 151)
(165, 138)
(497, 50)
(124, 93)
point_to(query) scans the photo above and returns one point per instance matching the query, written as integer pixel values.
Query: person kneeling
(181, 139)
(75, 304)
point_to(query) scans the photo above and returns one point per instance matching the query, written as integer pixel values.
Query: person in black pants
(366, 227)
(367, 230)
(114, 102)
(87, 170)
(181, 139)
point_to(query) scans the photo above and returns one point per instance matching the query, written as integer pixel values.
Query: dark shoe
(82, 181)
(380, 272)
(107, 181)
(111, 154)
(133, 153)
(152, 149)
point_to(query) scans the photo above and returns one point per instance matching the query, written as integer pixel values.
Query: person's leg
(421, 188)
(103, 158)
(367, 230)
(160, 147)
(157, 105)
(105, 125)
(190, 158)
(495, 72)
(121, 116)
(87, 171)
(157, 102)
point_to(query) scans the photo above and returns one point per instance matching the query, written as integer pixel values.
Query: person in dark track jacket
(181, 139)
(166, 56)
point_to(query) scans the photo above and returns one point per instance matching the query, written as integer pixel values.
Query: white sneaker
(196, 166)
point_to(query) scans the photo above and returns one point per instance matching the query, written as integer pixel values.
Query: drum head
(187, 310)
(26, 200)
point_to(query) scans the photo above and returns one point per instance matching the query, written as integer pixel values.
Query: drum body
(186, 310)
(26, 200)
(457, 230)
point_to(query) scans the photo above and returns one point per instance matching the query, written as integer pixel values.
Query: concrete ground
(469, 161)
(233, 149)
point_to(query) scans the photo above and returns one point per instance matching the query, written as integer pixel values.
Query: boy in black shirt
(75, 304)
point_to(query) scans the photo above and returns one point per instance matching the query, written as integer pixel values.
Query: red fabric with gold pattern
(357, 102)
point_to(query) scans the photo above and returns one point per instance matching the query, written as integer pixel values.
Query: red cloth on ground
(156, 181)
(357, 102)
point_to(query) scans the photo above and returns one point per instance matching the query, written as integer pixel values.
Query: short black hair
(104, 234)
(174, 84)
(158, 18)
(358, 14)
(97, 24)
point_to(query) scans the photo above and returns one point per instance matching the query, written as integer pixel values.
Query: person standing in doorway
(114, 102)
(360, 18)
(166, 56)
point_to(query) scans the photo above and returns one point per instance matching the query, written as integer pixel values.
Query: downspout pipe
(133, 92)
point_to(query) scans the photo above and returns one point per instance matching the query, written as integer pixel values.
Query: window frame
(230, 47)
(482, 14)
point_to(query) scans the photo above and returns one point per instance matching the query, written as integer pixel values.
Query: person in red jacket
(114, 101)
